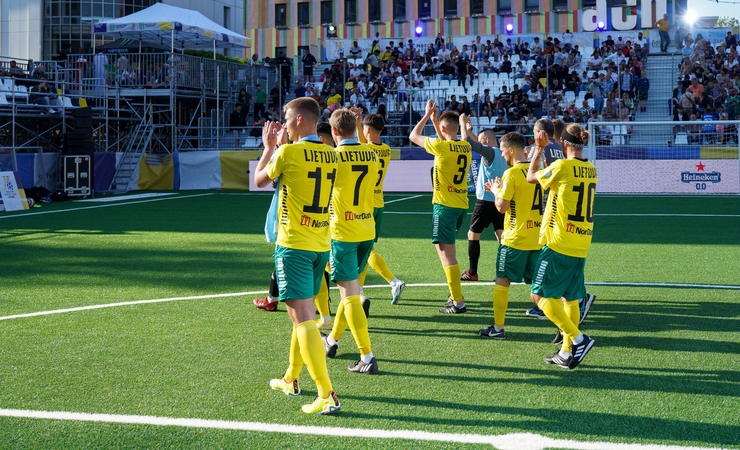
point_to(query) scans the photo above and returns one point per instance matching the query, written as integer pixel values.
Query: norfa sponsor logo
(619, 20)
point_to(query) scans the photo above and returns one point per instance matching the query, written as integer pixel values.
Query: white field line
(518, 441)
(125, 197)
(131, 303)
(428, 213)
(107, 205)
(376, 286)
(405, 198)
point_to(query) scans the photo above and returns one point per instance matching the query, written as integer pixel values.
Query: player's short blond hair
(344, 121)
(306, 107)
(450, 120)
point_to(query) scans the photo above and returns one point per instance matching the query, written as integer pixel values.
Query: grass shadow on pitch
(550, 421)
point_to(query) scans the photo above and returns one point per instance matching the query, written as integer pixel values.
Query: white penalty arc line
(376, 286)
(107, 205)
(527, 441)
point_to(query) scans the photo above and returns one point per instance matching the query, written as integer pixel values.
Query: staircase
(662, 71)
(136, 146)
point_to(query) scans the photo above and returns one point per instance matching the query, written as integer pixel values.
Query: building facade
(296, 24)
(38, 29)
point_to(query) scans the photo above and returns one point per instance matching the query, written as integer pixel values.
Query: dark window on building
(589, 3)
(303, 14)
(560, 5)
(476, 7)
(327, 12)
(531, 5)
(373, 10)
(450, 8)
(619, 2)
(281, 15)
(399, 9)
(504, 6)
(350, 11)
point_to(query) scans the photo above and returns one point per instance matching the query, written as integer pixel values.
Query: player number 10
(588, 192)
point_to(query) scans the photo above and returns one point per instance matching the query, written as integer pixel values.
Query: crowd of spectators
(707, 89)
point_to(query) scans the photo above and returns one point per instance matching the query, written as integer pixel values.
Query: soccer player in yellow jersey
(307, 169)
(569, 227)
(270, 302)
(521, 202)
(368, 133)
(352, 236)
(450, 196)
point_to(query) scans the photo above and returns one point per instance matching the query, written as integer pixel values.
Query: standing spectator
(237, 122)
(663, 26)
(260, 98)
(275, 94)
(462, 72)
(643, 85)
(285, 70)
(626, 82)
(596, 89)
(309, 62)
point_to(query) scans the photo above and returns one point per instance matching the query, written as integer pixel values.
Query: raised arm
(270, 139)
(540, 140)
(416, 134)
(357, 111)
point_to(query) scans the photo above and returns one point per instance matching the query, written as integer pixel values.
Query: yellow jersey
(451, 165)
(663, 25)
(307, 172)
(353, 197)
(524, 216)
(384, 159)
(569, 218)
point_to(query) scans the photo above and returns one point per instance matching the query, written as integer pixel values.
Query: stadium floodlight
(419, 30)
(509, 28)
(690, 17)
(601, 26)
(331, 31)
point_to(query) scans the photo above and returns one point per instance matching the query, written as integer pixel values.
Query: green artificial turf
(665, 368)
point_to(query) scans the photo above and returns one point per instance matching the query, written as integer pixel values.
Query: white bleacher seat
(67, 102)
(568, 97)
(484, 122)
(590, 103)
(682, 138)
(3, 100)
(5, 87)
(619, 134)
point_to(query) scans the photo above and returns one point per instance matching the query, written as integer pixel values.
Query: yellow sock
(295, 360)
(554, 310)
(453, 282)
(573, 311)
(362, 276)
(340, 322)
(357, 323)
(379, 265)
(314, 355)
(322, 299)
(500, 303)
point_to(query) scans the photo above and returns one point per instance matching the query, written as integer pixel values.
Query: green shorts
(378, 216)
(299, 272)
(446, 222)
(516, 265)
(559, 276)
(348, 259)
(642, 95)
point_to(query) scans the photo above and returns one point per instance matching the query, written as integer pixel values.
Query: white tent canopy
(181, 28)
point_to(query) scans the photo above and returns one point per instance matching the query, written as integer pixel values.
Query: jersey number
(315, 207)
(380, 173)
(537, 199)
(462, 161)
(363, 172)
(588, 192)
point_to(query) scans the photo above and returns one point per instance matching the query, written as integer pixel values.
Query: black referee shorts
(484, 214)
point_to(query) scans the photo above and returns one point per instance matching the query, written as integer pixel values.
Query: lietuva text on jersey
(584, 172)
(319, 156)
(358, 156)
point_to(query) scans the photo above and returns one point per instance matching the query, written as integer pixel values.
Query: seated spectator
(12, 71)
(39, 72)
(355, 51)
(44, 94)
(695, 88)
(333, 97)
